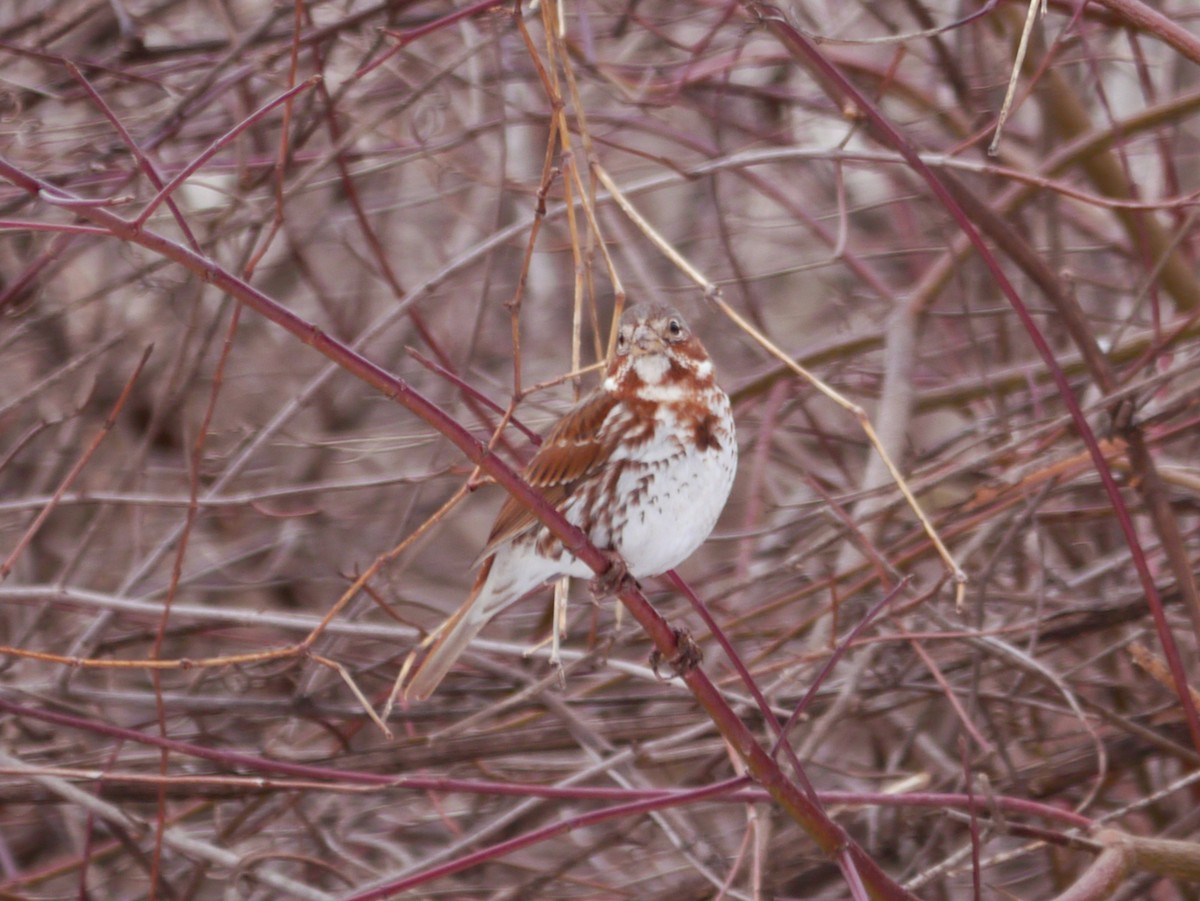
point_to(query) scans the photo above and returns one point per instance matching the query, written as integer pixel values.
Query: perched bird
(643, 465)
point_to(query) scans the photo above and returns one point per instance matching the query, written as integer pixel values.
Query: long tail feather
(453, 638)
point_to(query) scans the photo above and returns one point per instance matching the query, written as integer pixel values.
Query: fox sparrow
(643, 465)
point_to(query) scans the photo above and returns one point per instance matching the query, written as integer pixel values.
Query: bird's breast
(666, 483)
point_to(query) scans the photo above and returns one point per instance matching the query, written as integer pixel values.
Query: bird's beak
(645, 341)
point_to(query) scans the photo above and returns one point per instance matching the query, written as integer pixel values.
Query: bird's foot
(686, 658)
(610, 581)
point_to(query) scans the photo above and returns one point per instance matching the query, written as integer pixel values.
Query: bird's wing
(574, 449)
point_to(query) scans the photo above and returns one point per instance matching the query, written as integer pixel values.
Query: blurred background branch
(398, 175)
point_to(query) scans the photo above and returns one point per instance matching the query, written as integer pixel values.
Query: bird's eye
(674, 328)
(622, 340)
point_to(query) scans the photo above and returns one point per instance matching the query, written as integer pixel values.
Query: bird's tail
(453, 637)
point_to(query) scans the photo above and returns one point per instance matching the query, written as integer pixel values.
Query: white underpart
(686, 492)
(684, 487)
(664, 394)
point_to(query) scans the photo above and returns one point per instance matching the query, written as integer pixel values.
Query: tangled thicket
(177, 529)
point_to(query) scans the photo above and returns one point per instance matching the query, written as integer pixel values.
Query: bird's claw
(686, 658)
(609, 582)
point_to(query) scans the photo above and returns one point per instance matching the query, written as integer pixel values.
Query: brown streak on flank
(704, 433)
